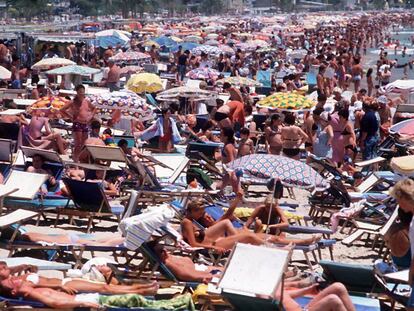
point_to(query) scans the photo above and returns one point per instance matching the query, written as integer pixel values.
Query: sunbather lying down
(61, 238)
(16, 287)
(222, 236)
(184, 268)
(28, 275)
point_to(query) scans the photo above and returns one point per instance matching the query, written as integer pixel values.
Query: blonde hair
(404, 189)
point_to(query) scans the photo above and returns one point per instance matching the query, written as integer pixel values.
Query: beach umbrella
(203, 74)
(257, 43)
(128, 103)
(166, 41)
(48, 63)
(212, 36)
(226, 49)
(212, 42)
(131, 57)
(176, 39)
(193, 38)
(187, 92)
(405, 127)
(150, 43)
(130, 70)
(112, 37)
(286, 101)
(74, 70)
(208, 49)
(292, 173)
(144, 83)
(239, 81)
(4, 73)
(48, 106)
(267, 50)
(185, 46)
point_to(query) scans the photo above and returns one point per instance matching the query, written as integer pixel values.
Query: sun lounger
(39, 263)
(90, 202)
(10, 131)
(7, 147)
(395, 285)
(106, 153)
(174, 165)
(368, 228)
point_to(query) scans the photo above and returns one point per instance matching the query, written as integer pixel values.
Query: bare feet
(149, 291)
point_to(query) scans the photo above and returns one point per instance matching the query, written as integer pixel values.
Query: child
(107, 137)
(246, 144)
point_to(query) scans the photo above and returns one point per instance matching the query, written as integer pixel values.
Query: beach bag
(195, 173)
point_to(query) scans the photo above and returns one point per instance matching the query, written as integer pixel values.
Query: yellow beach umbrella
(151, 43)
(144, 83)
(286, 101)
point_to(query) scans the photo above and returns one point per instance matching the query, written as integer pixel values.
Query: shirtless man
(273, 135)
(357, 73)
(28, 275)
(246, 145)
(35, 132)
(81, 111)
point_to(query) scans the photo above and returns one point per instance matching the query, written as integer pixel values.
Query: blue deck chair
(151, 100)
(130, 140)
(246, 303)
(90, 201)
(10, 131)
(207, 149)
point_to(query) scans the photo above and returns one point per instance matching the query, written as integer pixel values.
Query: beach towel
(182, 302)
(158, 130)
(138, 229)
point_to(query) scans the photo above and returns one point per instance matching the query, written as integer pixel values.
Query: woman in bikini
(292, 137)
(273, 134)
(348, 134)
(221, 236)
(229, 151)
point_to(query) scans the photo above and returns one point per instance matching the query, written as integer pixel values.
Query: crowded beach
(209, 163)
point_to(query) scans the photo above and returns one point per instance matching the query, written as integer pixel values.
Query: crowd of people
(350, 118)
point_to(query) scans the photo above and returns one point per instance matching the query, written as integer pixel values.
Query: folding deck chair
(90, 202)
(7, 146)
(378, 231)
(10, 131)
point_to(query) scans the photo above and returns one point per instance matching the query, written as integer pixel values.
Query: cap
(358, 105)
(337, 90)
(382, 99)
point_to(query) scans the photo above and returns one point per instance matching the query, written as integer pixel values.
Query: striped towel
(138, 229)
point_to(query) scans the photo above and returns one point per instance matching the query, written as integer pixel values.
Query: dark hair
(344, 113)
(226, 85)
(79, 86)
(274, 117)
(363, 91)
(165, 110)
(95, 124)
(318, 111)
(208, 125)
(229, 134)
(245, 131)
(369, 72)
(122, 142)
(107, 131)
(322, 97)
(290, 119)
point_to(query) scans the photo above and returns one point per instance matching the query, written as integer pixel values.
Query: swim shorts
(80, 127)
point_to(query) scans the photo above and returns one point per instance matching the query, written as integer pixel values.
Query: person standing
(81, 111)
(369, 132)
(182, 64)
(114, 74)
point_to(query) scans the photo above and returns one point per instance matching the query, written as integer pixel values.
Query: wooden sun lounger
(368, 228)
(105, 153)
(42, 265)
(370, 162)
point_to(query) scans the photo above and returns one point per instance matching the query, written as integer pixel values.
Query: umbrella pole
(271, 207)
